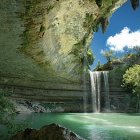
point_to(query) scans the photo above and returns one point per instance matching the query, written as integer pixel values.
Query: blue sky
(125, 16)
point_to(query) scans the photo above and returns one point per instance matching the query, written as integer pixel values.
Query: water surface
(91, 126)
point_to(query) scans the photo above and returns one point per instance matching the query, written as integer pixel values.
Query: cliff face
(49, 39)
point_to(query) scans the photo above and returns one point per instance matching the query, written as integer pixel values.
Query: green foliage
(91, 0)
(7, 115)
(104, 23)
(96, 28)
(90, 57)
(49, 8)
(104, 67)
(82, 53)
(85, 57)
(99, 2)
(137, 50)
(5, 105)
(135, 4)
(6, 109)
(128, 60)
(131, 79)
(88, 23)
(98, 66)
(108, 66)
(108, 55)
(118, 72)
(132, 58)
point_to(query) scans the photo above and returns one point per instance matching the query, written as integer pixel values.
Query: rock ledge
(47, 132)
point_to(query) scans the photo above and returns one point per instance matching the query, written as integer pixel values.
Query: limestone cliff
(49, 39)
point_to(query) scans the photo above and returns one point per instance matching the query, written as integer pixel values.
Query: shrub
(5, 105)
(131, 80)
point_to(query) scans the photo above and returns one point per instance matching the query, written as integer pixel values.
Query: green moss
(42, 28)
(49, 8)
(91, 0)
(89, 22)
(83, 55)
(96, 27)
(5, 105)
(40, 53)
(99, 2)
(90, 57)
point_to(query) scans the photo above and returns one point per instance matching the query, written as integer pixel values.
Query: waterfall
(95, 90)
(85, 99)
(106, 84)
(96, 87)
(85, 94)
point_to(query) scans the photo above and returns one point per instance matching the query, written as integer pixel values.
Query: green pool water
(91, 126)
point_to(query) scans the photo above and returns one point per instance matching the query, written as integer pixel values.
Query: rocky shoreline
(47, 132)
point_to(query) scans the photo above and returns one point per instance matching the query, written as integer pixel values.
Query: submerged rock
(47, 132)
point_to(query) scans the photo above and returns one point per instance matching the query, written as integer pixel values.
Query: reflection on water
(91, 126)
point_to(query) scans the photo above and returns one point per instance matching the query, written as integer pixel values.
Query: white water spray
(95, 90)
(106, 83)
(96, 86)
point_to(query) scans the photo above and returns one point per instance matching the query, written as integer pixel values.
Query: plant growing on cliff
(49, 8)
(108, 55)
(104, 24)
(5, 105)
(83, 54)
(7, 114)
(90, 57)
(88, 21)
(99, 2)
(131, 80)
(6, 109)
(135, 4)
(132, 56)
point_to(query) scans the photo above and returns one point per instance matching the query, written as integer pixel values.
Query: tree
(108, 55)
(132, 56)
(6, 110)
(7, 115)
(98, 66)
(131, 79)
(90, 57)
(137, 50)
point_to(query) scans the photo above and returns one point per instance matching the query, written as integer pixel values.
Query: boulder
(47, 132)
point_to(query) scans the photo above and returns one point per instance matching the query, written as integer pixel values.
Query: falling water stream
(96, 85)
(106, 84)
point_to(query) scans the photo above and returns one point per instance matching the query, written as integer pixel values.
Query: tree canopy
(131, 78)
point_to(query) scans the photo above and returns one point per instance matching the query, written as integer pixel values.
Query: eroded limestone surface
(49, 39)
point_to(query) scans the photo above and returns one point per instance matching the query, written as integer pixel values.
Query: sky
(123, 32)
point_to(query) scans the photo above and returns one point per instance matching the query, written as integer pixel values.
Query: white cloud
(125, 39)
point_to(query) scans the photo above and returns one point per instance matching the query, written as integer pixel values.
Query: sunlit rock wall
(44, 43)
(43, 39)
